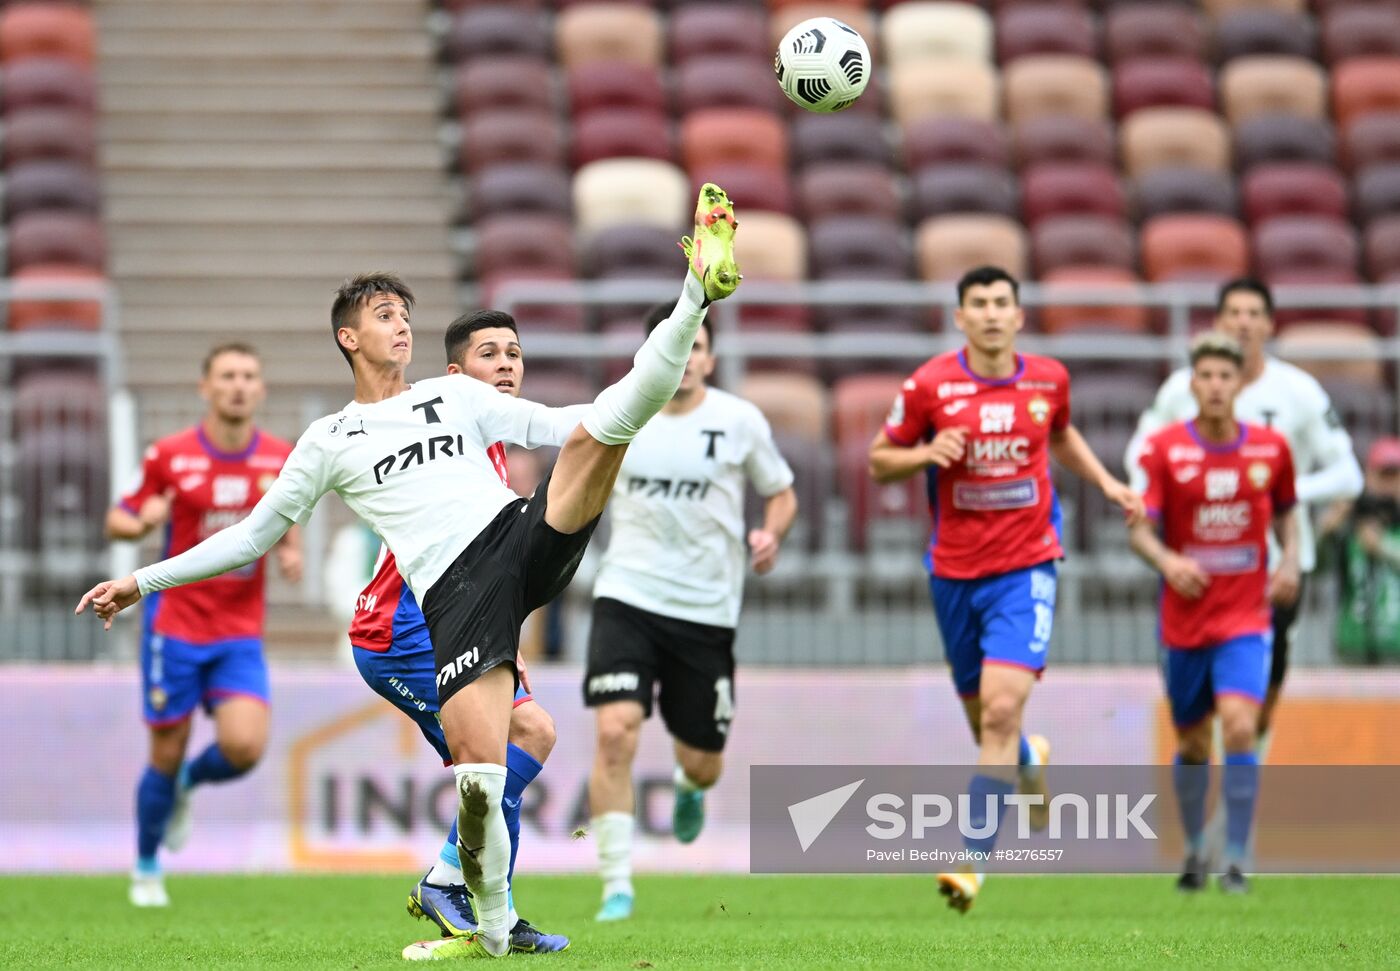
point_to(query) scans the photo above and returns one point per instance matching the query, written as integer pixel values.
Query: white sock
(444, 874)
(621, 409)
(481, 827)
(686, 783)
(613, 831)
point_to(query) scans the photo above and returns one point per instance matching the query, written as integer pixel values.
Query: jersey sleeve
(1172, 404)
(1152, 472)
(908, 421)
(1337, 474)
(152, 481)
(764, 464)
(304, 479)
(515, 421)
(1284, 492)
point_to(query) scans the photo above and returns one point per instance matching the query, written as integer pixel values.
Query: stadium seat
(940, 190)
(1377, 191)
(30, 312)
(1363, 30)
(844, 137)
(497, 31)
(631, 190)
(949, 246)
(627, 250)
(608, 32)
(858, 247)
(771, 247)
(1251, 31)
(1167, 190)
(495, 137)
(750, 187)
(723, 82)
(1027, 29)
(1293, 188)
(1055, 84)
(1372, 138)
(920, 89)
(852, 13)
(622, 133)
(63, 479)
(1194, 246)
(45, 184)
(1158, 82)
(718, 135)
(1176, 137)
(1363, 85)
(794, 404)
(529, 187)
(1272, 84)
(492, 83)
(935, 31)
(1283, 138)
(857, 188)
(60, 30)
(534, 316)
(45, 236)
(529, 243)
(1314, 277)
(1382, 247)
(60, 397)
(860, 403)
(719, 30)
(1288, 243)
(1362, 369)
(1129, 316)
(598, 85)
(45, 82)
(940, 139)
(1219, 8)
(1070, 188)
(1079, 240)
(50, 133)
(1064, 138)
(1152, 29)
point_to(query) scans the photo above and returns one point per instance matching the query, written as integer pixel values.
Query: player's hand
(1284, 585)
(110, 596)
(1126, 499)
(289, 562)
(522, 672)
(763, 550)
(947, 447)
(1185, 576)
(154, 511)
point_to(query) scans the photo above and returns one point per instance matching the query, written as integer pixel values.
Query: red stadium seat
(1294, 188)
(1044, 29)
(1308, 243)
(719, 135)
(1161, 82)
(622, 133)
(860, 404)
(528, 187)
(1193, 246)
(750, 187)
(1129, 316)
(857, 188)
(498, 30)
(843, 137)
(1181, 190)
(1363, 85)
(858, 247)
(1133, 30)
(1075, 240)
(32, 312)
(607, 84)
(725, 82)
(715, 29)
(1361, 31)
(43, 184)
(533, 317)
(494, 83)
(1283, 138)
(40, 237)
(45, 82)
(1249, 31)
(941, 190)
(528, 243)
(50, 133)
(631, 251)
(494, 137)
(1056, 188)
(1064, 138)
(949, 138)
(60, 30)
(1382, 245)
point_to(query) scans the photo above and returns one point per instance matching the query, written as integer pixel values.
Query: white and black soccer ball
(823, 64)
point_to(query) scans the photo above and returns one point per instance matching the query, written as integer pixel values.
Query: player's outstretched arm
(891, 462)
(1183, 574)
(1071, 451)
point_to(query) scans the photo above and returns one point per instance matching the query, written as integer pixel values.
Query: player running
(1214, 484)
(668, 594)
(202, 644)
(394, 655)
(983, 422)
(410, 460)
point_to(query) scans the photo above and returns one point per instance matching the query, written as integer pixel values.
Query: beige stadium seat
(934, 30)
(589, 32)
(1272, 84)
(1362, 368)
(1174, 137)
(1055, 84)
(948, 246)
(772, 246)
(631, 190)
(966, 89)
(1217, 8)
(794, 404)
(853, 15)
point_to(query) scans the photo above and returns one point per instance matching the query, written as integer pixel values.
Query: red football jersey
(386, 612)
(996, 510)
(1216, 504)
(209, 490)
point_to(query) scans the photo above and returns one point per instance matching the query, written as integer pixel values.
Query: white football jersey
(678, 545)
(1291, 402)
(414, 467)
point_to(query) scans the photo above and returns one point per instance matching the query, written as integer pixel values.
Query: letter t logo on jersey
(430, 414)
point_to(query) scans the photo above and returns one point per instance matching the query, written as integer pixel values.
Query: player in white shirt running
(410, 460)
(1287, 399)
(667, 601)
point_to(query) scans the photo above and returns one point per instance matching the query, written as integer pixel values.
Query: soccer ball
(822, 64)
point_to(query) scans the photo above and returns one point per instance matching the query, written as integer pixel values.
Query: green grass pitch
(772, 923)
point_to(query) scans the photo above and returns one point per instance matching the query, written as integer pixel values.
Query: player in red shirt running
(202, 644)
(983, 422)
(1214, 486)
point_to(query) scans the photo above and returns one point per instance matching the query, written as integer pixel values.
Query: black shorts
(475, 609)
(630, 650)
(1284, 618)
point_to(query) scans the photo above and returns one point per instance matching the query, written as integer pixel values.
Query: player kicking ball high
(667, 601)
(410, 460)
(983, 422)
(1214, 486)
(394, 655)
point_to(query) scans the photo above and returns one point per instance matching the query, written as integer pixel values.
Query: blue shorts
(1196, 676)
(407, 678)
(1002, 619)
(177, 676)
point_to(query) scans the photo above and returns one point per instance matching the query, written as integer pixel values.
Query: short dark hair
(664, 310)
(1245, 284)
(1213, 344)
(228, 347)
(985, 276)
(354, 293)
(459, 333)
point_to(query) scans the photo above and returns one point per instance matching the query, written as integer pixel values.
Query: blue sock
(210, 766)
(448, 854)
(978, 791)
(155, 797)
(521, 770)
(1241, 787)
(1192, 779)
